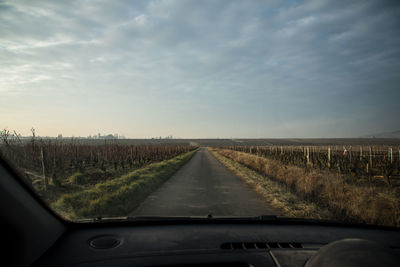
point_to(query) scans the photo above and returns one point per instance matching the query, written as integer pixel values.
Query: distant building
(110, 136)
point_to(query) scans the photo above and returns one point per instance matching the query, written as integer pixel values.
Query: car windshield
(204, 108)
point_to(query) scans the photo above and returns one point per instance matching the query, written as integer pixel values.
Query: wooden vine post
(54, 179)
(370, 157)
(43, 159)
(329, 157)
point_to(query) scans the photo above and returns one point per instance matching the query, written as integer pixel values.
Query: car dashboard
(204, 244)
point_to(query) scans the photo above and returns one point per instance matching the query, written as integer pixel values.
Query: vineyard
(83, 178)
(350, 184)
(379, 162)
(56, 167)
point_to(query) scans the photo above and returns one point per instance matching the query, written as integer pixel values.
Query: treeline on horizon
(347, 142)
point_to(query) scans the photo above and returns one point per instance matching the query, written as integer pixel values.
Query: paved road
(203, 186)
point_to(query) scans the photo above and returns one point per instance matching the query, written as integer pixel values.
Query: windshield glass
(191, 108)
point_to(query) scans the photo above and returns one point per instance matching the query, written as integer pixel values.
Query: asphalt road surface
(203, 186)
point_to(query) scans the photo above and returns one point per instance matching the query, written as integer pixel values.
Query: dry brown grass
(345, 202)
(285, 203)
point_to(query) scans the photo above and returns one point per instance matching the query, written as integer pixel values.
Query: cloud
(271, 64)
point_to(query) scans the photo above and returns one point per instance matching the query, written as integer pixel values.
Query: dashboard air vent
(260, 245)
(105, 242)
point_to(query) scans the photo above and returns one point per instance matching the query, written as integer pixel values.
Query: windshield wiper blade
(268, 217)
(101, 219)
(179, 218)
(207, 217)
(155, 218)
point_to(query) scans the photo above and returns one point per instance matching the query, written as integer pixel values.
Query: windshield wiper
(268, 218)
(102, 219)
(180, 218)
(208, 217)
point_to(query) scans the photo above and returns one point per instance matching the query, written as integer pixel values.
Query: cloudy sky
(200, 68)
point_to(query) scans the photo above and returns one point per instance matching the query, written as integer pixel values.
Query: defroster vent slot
(261, 245)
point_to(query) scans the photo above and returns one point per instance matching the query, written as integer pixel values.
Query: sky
(200, 69)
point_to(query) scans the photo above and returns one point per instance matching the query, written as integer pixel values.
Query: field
(347, 183)
(355, 161)
(350, 180)
(59, 170)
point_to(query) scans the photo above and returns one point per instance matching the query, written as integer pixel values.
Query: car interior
(200, 133)
(33, 235)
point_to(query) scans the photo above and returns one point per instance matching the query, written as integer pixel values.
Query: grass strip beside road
(279, 197)
(119, 196)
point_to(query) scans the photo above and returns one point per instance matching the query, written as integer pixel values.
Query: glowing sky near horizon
(198, 69)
